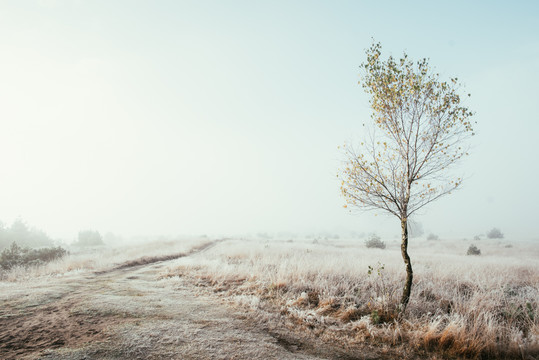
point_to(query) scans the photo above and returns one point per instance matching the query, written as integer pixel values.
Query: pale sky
(224, 117)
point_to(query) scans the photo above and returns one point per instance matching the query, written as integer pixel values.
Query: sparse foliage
(420, 127)
(494, 233)
(381, 303)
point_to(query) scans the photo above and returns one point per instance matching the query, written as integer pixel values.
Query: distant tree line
(23, 235)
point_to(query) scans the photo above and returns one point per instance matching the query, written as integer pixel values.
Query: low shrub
(433, 237)
(16, 255)
(473, 250)
(374, 241)
(494, 233)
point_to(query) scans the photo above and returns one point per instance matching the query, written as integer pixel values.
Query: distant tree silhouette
(23, 235)
(89, 238)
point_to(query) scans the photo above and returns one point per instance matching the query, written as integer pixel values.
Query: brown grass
(484, 308)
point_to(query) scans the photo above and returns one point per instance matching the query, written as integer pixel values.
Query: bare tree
(420, 130)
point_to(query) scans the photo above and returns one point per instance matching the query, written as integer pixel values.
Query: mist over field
(179, 180)
(214, 118)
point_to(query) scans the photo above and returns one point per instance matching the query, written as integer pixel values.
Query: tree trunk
(409, 273)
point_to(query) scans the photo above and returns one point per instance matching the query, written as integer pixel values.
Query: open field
(275, 299)
(473, 306)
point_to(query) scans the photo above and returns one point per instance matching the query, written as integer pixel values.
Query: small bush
(89, 238)
(473, 250)
(433, 237)
(375, 318)
(374, 241)
(495, 233)
(24, 256)
(477, 237)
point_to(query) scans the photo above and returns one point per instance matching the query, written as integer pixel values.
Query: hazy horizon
(149, 118)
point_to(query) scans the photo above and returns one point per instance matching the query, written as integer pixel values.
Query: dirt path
(127, 313)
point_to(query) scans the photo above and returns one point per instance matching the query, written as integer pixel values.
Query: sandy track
(128, 313)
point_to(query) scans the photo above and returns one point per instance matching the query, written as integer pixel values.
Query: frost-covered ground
(275, 299)
(122, 310)
(476, 306)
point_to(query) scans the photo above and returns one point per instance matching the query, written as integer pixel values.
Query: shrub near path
(16, 256)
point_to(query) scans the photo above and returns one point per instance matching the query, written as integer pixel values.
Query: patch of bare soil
(50, 327)
(27, 329)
